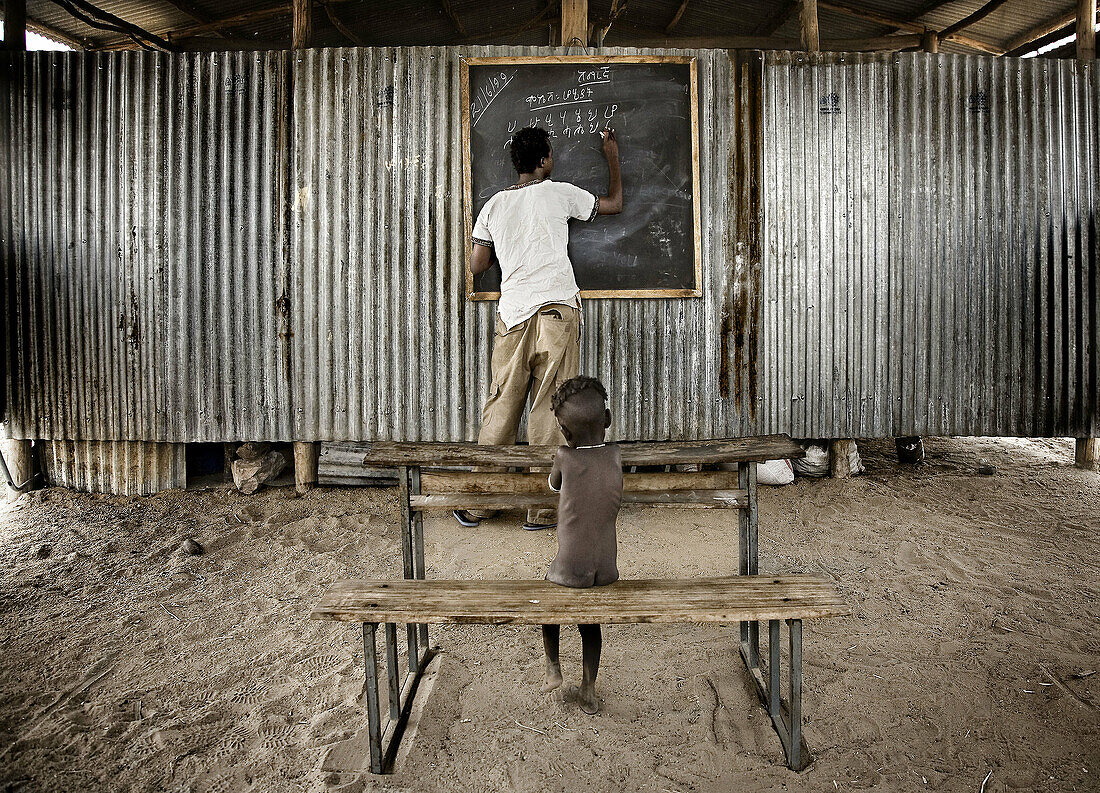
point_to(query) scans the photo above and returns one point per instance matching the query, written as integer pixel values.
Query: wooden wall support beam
(306, 456)
(840, 458)
(930, 41)
(15, 25)
(1088, 454)
(301, 36)
(1086, 31)
(574, 23)
(811, 32)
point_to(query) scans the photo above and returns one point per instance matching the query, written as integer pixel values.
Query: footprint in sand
(250, 695)
(320, 665)
(276, 737)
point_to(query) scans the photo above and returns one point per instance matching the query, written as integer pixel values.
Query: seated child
(589, 475)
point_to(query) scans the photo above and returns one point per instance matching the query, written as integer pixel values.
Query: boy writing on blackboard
(525, 230)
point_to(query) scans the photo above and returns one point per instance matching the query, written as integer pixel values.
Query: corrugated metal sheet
(930, 246)
(387, 347)
(167, 282)
(142, 221)
(121, 468)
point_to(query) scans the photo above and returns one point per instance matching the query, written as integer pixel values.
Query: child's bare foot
(586, 697)
(553, 677)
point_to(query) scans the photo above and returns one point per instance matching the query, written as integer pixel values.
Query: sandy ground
(129, 667)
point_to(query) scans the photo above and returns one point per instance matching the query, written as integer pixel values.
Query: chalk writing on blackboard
(651, 248)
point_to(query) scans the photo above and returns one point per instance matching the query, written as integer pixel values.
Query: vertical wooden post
(1088, 454)
(19, 461)
(15, 30)
(1086, 31)
(930, 41)
(840, 466)
(302, 29)
(811, 35)
(574, 23)
(306, 456)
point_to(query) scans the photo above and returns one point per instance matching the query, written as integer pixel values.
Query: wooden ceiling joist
(770, 24)
(910, 27)
(677, 16)
(1052, 25)
(969, 20)
(345, 31)
(451, 15)
(103, 20)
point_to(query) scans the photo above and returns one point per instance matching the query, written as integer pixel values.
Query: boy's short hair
(577, 385)
(529, 146)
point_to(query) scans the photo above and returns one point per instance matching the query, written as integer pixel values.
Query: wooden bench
(425, 487)
(700, 600)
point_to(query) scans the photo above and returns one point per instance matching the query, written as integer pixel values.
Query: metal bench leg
(749, 561)
(374, 721)
(773, 671)
(419, 571)
(392, 672)
(407, 520)
(795, 629)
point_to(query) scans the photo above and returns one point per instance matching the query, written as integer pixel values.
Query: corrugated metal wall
(387, 346)
(124, 468)
(930, 246)
(144, 245)
(269, 246)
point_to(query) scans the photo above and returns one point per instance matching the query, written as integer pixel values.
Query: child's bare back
(589, 474)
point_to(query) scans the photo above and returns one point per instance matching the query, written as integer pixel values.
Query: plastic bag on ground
(774, 472)
(816, 461)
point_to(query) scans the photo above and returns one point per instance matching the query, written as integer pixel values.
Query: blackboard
(651, 249)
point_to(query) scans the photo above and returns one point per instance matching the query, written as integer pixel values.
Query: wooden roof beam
(977, 16)
(450, 12)
(910, 27)
(677, 16)
(98, 18)
(1052, 25)
(188, 8)
(346, 31)
(875, 43)
(772, 23)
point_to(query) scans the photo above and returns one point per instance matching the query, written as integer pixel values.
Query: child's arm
(555, 475)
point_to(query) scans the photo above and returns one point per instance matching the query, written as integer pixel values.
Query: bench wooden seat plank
(699, 499)
(754, 449)
(726, 600)
(499, 482)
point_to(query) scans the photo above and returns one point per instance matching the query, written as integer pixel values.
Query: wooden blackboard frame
(467, 165)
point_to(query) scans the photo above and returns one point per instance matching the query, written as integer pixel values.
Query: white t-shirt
(528, 227)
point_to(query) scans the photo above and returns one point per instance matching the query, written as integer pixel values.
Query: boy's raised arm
(612, 203)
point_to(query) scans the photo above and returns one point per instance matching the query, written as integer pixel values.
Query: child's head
(581, 410)
(531, 150)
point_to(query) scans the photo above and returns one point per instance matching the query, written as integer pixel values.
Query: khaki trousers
(534, 357)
